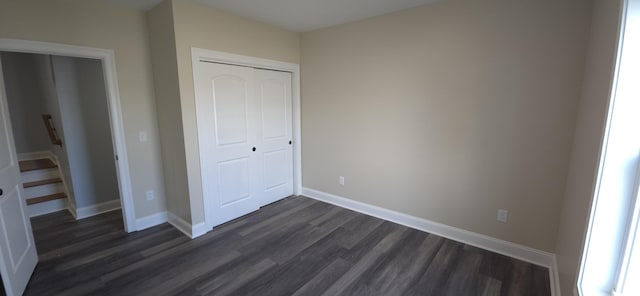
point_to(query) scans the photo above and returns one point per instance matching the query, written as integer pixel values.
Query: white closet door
(228, 116)
(276, 153)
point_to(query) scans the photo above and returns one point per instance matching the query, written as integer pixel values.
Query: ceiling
(299, 15)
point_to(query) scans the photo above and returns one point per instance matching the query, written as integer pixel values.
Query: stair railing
(51, 130)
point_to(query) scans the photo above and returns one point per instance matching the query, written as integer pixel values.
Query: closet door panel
(275, 174)
(230, 105)
(227, 116)
(276, 157)
(274, 98)
(245, 138)
(234, 179)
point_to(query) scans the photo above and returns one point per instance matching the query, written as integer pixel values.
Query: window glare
(630, 276)
(611, 261)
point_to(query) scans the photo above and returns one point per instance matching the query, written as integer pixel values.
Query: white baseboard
(71, 207)
(85, 212)
(199, 230)
(46, 207)
(179, 224)
(503, 247)
(185, 227)
(151, 220)
(37, 155)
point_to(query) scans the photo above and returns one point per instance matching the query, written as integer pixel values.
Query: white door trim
(108, 60)
(199, 54)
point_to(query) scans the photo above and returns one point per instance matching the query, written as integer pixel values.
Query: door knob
(253, 149)
(1, 192)
(289, 142)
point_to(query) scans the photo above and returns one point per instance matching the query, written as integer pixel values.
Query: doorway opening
(60, 120)
(17, 249)
(106, 58)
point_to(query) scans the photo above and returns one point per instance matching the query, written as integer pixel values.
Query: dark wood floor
(297, 246)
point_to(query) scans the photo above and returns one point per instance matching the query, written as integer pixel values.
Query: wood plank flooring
(297, 246)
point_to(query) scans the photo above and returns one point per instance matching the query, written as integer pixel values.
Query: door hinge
(116, 156)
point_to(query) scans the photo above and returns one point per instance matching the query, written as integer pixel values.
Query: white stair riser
(41, 190)
(38, 175)
(47, 207)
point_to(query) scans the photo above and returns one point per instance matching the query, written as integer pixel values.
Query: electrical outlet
(341, 180)
(142, 136)
(150, 195)
(502, 215)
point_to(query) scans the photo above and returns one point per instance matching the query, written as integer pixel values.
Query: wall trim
(47, 207)
(151, 220)
(107, 57)
(71, 207)
(179, 224)
(554, 277)
(499, 246)
(199, 54)
(192, 231)
(92, 210)
(187, 228)
(199, 229)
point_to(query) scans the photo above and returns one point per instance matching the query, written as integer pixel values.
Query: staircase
(43, 186)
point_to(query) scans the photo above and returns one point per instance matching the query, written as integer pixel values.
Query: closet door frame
(204, 55)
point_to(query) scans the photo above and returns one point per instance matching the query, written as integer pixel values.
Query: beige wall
(587, 141)
(24, 97)
(97, 24)
(201, 26)
(51, 104)
(165, 75)
(85, 130)
(449, 111)
(95, 118)
(446, 112)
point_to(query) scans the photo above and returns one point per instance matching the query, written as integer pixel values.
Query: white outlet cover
(142, 136)
(150, 195)
(503, 215)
